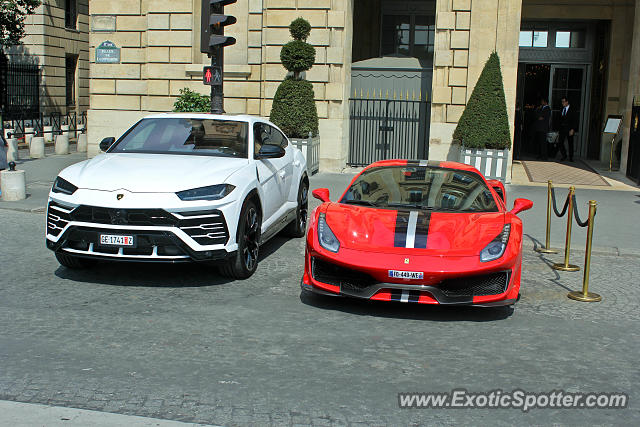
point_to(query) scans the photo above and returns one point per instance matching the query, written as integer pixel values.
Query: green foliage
(484, 122)
(294, 109)
(300, 29)
(192, 102)
(12, 16)
(297, 56)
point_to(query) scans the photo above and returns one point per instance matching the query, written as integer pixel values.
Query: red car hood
(405, 231)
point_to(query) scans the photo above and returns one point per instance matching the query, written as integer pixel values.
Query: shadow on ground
(397, 310)
(160, 275)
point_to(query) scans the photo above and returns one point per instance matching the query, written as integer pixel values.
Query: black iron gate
(19, 90)
(383, 129)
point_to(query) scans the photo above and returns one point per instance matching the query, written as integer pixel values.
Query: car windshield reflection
(223, 138)
(417, 187)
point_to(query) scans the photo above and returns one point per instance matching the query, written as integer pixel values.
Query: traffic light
(212, 43)
(213, 23)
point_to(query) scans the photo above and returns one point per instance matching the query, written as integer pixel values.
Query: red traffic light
(212, 76)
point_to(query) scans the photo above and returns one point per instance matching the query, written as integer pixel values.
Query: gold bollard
(567, 243)
(585, 295)
(547, 247)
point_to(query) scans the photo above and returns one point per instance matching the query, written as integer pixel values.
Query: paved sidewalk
(16, 414)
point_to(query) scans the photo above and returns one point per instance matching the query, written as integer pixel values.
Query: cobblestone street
(181, 343)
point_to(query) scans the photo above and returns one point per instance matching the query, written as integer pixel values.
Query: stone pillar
(633, 89)
(36, 149)
(12, 150)
(62, 144)
(13, 185)
(28, 135)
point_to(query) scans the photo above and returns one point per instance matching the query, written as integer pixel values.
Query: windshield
(421, 187)
(224, 138)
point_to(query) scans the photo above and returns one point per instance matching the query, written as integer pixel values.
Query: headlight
(63, 186)
(327, 239)
(496, 248)
(212, 192)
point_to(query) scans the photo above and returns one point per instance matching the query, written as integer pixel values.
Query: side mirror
(106, 143)
(271, 152)
(498, 187)
(521, 205)
(321, 194)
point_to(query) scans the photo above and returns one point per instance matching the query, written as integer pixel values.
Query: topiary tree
(294, 109)
(484, 122)
(192, 102)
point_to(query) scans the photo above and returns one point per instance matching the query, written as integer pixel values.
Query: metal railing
(571, 210)
(55, 120)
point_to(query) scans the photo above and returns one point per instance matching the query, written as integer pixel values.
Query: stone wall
(47, 43)
(161, 54)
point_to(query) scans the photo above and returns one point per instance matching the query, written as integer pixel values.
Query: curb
(596, 250)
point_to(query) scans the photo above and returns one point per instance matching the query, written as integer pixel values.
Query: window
(408, 35)
(71, 14)
(71, 62)
(265, 134)
(533, 38)
(206, 137)
(570, 39)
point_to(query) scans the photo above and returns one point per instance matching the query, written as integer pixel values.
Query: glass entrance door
(570, 81)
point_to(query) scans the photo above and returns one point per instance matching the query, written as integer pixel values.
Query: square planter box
(310, 148)
(490, 162)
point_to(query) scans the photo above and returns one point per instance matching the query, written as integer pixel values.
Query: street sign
(212, 76)
(107, 53)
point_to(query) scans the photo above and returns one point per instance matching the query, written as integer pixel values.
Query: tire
(72, 262)
(245, 262)
(298, 227)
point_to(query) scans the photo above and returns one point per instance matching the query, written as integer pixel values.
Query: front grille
(136, 217)
(347, 279)
(148, 243)
(205, 227)
(490, 284)
(57, 218)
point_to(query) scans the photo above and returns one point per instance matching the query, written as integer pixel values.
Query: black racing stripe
(414, 296)
(402, 224)
(422, 230)
(396, 294)
(413, 162)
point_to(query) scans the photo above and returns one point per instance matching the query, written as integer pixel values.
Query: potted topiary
(483, 129)
(294, 108)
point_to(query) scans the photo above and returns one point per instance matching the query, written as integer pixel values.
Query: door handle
(281, 173)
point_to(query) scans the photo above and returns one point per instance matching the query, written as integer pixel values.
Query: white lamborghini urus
(181, 187)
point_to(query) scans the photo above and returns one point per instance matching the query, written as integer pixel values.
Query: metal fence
(39, 121)
(387, 129)
(19, 90)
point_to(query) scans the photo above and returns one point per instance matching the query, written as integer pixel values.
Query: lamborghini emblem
(119, 196)
(406, 260)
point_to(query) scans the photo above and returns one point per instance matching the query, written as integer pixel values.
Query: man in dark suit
(541, 128)
(567, 129)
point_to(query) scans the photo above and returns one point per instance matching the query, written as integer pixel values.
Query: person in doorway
(541, 127)
(567, 129)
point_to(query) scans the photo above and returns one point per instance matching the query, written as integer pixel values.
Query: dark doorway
(534, 80)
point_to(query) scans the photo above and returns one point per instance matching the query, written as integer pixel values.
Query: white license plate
(112, 240)
(406, 274)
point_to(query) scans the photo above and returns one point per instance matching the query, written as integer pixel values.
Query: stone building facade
(57, 40)
(159, 42)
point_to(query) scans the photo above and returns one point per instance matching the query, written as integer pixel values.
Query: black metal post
(217, 95)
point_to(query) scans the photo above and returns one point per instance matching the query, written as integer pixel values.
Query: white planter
(491, 163)
(310, 148)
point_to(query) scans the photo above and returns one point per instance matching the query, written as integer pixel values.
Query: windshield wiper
(408, 205)
(359, 202)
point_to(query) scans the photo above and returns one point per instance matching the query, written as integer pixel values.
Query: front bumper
(495, 288)
(159, 236)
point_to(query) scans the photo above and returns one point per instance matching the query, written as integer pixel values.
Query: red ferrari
(417, 231)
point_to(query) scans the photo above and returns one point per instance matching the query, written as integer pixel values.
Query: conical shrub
(484, 122)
